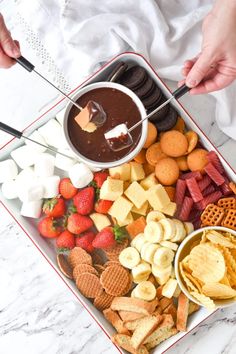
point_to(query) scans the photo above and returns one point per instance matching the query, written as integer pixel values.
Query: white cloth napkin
(82, 34)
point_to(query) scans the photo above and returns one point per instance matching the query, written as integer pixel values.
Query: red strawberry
(66, 188)
(66, 240)
(77, 223)
(102, 206)
(84, 200)
(54, 207)
(85, 241)
(100, 177)
(108, 237)
(47, 228)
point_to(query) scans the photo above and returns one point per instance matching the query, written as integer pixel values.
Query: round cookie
(89, 285)
(167, 171)
(197, 160)
(154, 154)
(182, 163)
(174, 143)
(145, 89)
(133, 77)
(153, 98)
(168, 122)
(159, 115)
(151, 135)
(141, 156)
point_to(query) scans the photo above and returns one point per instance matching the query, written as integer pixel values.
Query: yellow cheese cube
(111, 189)
(158, 197)
(169, 209)
(149, 181)
(129, 218)
(100, 221)
(136, 194)
(137, 172)
(122, 172)
(141, 211)
(120, 208)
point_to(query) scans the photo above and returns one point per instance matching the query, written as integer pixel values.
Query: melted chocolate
(119, 108)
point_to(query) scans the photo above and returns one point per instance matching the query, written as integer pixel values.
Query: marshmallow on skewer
(80, 175)
(62, 162)
(37, 137)
(24, 156)
(52, 133)
(44, 165)
(32, 209)
(9, 189)
(51, 186)
(8, 170)
(32, 191)
(119, 137)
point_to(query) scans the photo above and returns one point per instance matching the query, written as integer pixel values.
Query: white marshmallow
(80, 175)
(94, 169)
(38, 137)
(60, 116)
(24, 177)
(44, 165)
(24, 156)
(8, 170)
(51, 186)
(32, 191)
(116, 132)
(62, 162)
(52, 133)
(9, 189)
(32, 209)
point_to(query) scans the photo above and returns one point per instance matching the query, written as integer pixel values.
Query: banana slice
(172, 275)
(169, 288)
(154, 216)
(144, 291)
(142, 270)
(188, 227)
(138, 241)
(180, 232)
(169, 228)
(163, 257)
(129, 257)
(147, 251)
(138, 280)
(158, 271)
(153, 232)
(173, 246)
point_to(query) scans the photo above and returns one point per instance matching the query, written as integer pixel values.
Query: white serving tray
(47, 249)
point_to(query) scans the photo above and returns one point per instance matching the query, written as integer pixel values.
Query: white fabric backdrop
(82, 34)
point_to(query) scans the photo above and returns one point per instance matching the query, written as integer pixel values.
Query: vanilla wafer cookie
(89, 285)
(103, 301)
(212, 215)
(230, 219)
(109, 263)
(79, 256)
(83, 268)
(64, 265)
(115, 280)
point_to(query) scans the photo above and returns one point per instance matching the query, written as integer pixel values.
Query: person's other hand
(215, 67)
(8, 47)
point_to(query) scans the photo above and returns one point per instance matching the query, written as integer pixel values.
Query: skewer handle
(7, 129)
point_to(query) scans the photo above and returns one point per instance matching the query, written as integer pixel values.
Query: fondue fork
(120, 138)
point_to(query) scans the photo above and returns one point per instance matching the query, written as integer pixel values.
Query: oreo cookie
(168, 122)
(145, 89)
(153, 99)
(117, 72)
(159, 115)
(134, 77)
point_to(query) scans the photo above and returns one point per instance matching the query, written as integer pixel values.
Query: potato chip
(188, 283)
(204, 300)
(225, 280)
(233, 253)
(203, 239)
(185, 264)
(195, 281)
(218, 291)
(219, 239)
(207, 263)
(194, 244)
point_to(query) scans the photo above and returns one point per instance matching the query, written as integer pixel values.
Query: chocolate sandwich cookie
(134, 77)
(145, 89)
(117, 72)
(153, 99)
(168, 122)
(159, 115)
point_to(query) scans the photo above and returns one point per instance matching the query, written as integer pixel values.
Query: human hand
(215, 67)
(8, 47)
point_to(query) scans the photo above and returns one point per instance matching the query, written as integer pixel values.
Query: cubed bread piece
(169, 209)
(145, 328)
(136, 227)
(136, 171)
(141, 211)
(124, 342)
(111, 189)
(149, 181)
(122, 172)
(182, 312)
(116, 321)
(158, 197)
(120, 208)
(136, 194)
(100, 221)
(129, 219)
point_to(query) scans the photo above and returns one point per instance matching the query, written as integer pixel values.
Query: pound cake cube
(111, 189)
(158, 197)
(170, 209)
(129, 219)
(141, 211)
(136, 194)
(149, 181)
(100, 221)
(122, 172)
(120, 208)
(136, 171)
